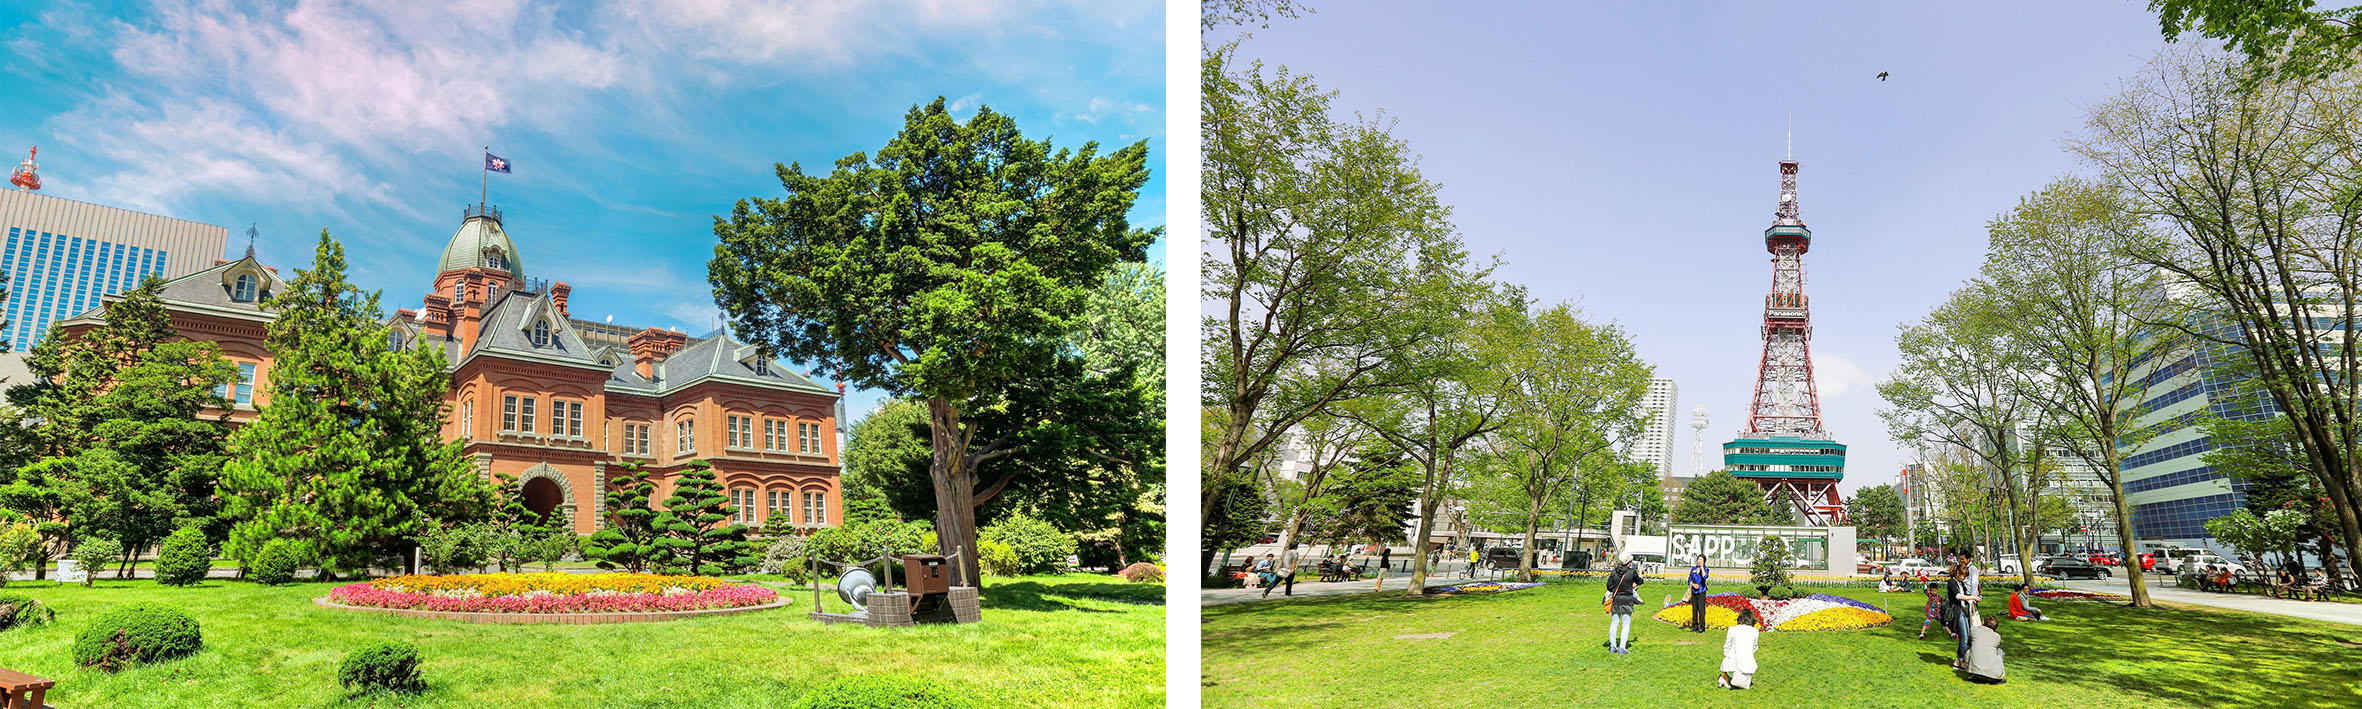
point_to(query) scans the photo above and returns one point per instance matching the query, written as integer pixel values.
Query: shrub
(459, 547)
(1144, 572)
(1772, 559)
(135, 634)
(383, 667)
(998, 559)
(870, 539)
(1783, 592)
(1040, 548)
(785, 556)
(19, 609)
(881, 691)
(184, 558)
(94, 554)
(276, 563)
(20, 546)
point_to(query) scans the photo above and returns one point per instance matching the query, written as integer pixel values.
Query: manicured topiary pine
(881, 690)
(629, 539)
(135, 634)
(349, 456)
(694, 539)
(18, 609)
(184, 558)
(1771, 563)
(390, 667)
(276, 562)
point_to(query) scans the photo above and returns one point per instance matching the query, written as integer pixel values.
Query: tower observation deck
(1784, 447)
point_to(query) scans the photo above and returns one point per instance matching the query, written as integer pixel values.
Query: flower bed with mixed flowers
(1819, 611)
(2066, 595)
(1484, 587)
(553, 593)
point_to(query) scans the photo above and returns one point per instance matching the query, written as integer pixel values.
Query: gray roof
(209, 290)
(508, 325)
(719, 358)
(476, 235)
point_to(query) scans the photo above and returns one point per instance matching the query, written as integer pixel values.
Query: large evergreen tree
(628, 540)
(347, 458)
(1721, 498)
(949, 267)
(122, 450)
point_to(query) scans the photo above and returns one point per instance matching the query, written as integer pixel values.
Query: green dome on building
(482, 243)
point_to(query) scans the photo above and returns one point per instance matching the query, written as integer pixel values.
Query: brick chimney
(557, 295)
(651, 346)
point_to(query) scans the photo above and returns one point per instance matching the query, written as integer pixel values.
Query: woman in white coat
(1738, 653)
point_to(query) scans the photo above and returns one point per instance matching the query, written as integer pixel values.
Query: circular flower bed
(1485, 587)
(2066, 595)
(1819, 611)
(552, 593)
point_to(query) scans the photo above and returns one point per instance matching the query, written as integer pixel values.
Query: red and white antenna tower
(27, 174)
(1786, 412)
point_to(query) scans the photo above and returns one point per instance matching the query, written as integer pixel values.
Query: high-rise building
(2170, 489)
(1655, 445)
(62, 256)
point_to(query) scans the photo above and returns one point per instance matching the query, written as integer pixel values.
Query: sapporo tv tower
(1784, 448)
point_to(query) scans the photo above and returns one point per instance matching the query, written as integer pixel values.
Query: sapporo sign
(1736, 546)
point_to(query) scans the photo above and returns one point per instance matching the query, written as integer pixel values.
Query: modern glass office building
(62, 255)
(2167, 483)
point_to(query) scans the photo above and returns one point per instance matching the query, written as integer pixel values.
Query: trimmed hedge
(18, 609)
(384, 667)
(276, 563)
(136, 634)
(184, 558)
(881, 691)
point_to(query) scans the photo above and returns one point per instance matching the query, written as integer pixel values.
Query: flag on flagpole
(495, 163)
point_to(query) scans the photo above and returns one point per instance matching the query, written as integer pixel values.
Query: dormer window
(495, 259)
(762, 367)
(242, 290)
(393, 340)
(541, 333)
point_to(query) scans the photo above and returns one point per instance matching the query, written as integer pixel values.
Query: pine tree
(629, 539)
(348, 457)
(691, 543)
(1721, 498)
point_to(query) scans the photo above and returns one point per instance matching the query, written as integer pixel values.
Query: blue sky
(1625, 156)
(630, 123)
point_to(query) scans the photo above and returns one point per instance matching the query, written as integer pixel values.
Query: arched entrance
(547, 493)
(543, 497)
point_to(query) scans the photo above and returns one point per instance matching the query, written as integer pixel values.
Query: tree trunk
(1533, 520)
(955, 489)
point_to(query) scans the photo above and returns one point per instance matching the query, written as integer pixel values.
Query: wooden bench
(22, 691)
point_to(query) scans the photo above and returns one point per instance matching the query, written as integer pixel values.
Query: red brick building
(557, 402)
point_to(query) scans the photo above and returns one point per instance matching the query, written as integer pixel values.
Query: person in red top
(2021, 605)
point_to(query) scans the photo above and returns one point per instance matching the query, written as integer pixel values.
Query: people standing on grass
(1623, 586)
(1385, 559)
(1738, 653)
(1967, 589)
(1697, 595)
(1984, 653)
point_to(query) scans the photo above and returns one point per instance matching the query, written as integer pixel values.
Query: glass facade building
(63, 256)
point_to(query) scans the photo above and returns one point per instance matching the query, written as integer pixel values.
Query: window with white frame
(771, 434)
(685, 436)
(742, 431)
(467, 419)
(573, 417)
(243, 290)
(541, 332)
(525, 406)
(508, 412)
(815, 508)
(807, 437)
(742, 504)
(777, 506)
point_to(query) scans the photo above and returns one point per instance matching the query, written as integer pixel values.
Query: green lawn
(1074, 640)
(1545, 647)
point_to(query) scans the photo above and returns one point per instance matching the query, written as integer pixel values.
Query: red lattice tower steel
(1786, 405)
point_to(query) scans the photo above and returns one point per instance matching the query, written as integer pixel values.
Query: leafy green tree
(1575, 389)
(455, 548)
(2247, 190)
(628, 541)
(949, 268)
(692, 538)
(1720, 498)
(20, 544)
(1876, 512)
(2287, 39)
(1223, 13)
(348, 457)
(1321, 267)
(94, 553)
(1367, 500)
(1772, 559)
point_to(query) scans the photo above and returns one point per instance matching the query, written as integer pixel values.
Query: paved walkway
(2161, 588)
(1226, 596)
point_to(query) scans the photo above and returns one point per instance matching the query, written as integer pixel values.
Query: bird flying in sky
(1882, 76)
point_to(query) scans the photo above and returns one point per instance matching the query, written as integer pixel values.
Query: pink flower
(730, 596)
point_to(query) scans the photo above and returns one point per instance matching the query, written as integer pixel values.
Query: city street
(2161, 588)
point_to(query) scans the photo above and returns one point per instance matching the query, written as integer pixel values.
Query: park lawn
(1077, 640)
(1546, 647)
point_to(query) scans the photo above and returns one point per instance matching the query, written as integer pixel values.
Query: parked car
(1916, 568)
(2205, 560)
(2103, 560)
(2069, 568)
(1504, 557)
